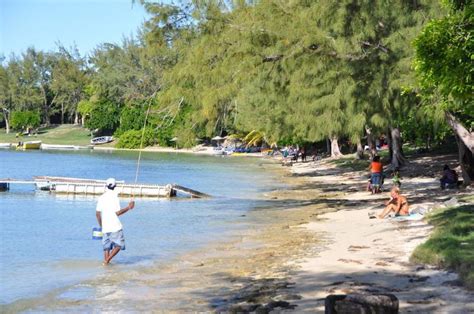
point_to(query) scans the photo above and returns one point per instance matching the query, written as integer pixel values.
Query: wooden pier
(79, 186)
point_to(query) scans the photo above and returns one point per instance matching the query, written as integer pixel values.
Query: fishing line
(141, 146)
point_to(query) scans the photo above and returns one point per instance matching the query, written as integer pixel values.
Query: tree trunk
(328, 145)
(62, 113)
(7, 122)
(398, 159)
(335, 152)
(360, 150)
(459, 130)
(370, 143)
(83, 120)
(466, 159)
(389, 143)
(46, 107)
(76, 118)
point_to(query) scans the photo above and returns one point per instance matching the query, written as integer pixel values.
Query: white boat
(101, 140)
(5, 145)
(57, 146)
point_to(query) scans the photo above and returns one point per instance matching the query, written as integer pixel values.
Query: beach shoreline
(307, 240)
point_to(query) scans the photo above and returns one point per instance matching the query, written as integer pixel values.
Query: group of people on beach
(293, 153)
(398, 203)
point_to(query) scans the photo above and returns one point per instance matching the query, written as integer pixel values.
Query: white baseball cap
(110, 183)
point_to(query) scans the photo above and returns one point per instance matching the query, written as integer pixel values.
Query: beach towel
(412, 216)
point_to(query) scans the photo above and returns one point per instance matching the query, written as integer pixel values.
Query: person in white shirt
(107, 212)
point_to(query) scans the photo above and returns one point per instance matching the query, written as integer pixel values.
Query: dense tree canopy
(445, 65)
(284, 71)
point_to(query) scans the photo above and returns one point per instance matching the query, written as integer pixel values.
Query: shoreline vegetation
(316, 239)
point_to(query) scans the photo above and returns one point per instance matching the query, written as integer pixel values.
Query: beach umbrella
(217, 138)
(174, 139)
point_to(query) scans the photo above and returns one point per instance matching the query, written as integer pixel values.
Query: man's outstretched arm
(131, 205)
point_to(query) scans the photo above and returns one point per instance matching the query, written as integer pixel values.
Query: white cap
(110, 183)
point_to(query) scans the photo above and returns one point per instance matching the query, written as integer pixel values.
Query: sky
(86, 23)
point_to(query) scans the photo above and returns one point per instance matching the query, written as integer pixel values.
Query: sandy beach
(363, 255)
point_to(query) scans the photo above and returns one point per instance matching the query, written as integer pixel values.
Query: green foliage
(104, 116)
(175, 123)
(68, 82)
(444, 55)
(21, 120)
(452, 243)
(133, 139)
(84, 107)
(444, 61)
(295, 70)
(131, 118)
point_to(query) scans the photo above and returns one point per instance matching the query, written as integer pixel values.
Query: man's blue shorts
(113, 239)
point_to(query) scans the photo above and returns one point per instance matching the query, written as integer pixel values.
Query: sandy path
(365, 255)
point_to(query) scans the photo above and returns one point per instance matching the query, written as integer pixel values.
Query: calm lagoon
(45, 239)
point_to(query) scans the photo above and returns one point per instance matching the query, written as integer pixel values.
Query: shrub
(25, 119)
(133, 138)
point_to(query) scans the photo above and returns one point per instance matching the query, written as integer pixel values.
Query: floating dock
(62, 185)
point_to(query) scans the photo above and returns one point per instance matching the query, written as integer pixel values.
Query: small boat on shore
(65, 147)
(29, 145)
(5, 145)
(101, 140)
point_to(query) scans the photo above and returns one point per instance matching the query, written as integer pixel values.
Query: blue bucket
(96, 233)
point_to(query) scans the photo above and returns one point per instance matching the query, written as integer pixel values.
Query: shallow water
(45, 239)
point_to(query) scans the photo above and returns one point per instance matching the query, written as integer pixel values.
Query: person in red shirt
(376, 175)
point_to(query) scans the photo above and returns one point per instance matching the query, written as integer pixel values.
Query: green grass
(66, 134)
(350, 162)
(452, 243)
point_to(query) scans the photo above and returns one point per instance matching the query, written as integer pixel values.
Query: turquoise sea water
(45, 239)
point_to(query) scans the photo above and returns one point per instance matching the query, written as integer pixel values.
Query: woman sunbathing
(397, 204)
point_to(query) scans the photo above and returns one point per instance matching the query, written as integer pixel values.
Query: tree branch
(466, 137)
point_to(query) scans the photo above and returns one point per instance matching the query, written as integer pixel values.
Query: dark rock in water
(279, 304)
(361, 303)
(419, 279)
(259, 296)
(243, 308)
(453, 283)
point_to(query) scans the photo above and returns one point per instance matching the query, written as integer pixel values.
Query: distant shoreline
(208, 150)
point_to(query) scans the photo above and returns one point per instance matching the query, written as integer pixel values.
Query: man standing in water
(107, 212)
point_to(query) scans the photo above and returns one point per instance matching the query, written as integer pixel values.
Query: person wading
(107, 212)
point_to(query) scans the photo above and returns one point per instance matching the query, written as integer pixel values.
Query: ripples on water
(45, 239)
